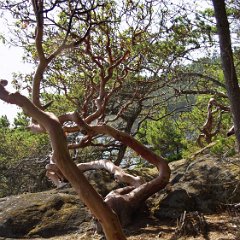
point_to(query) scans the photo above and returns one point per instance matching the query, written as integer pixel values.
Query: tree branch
(119, 174)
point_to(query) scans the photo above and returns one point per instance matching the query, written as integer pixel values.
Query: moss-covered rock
(43, 214)
(205, 184)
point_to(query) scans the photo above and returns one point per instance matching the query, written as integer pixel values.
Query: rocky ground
(202, 202)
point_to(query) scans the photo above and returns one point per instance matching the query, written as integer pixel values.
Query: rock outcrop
(204, 184)
(44, 214)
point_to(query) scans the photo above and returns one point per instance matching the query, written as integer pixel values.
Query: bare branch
(38, 9)
(119, 174)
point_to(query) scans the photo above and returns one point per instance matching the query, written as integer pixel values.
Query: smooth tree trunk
(229, 70)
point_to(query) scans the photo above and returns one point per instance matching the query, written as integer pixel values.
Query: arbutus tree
(113, 67)
(109, 73)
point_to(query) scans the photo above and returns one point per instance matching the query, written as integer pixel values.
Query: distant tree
(163, 136)
(4, 122)
(22, 158)
(20, 121)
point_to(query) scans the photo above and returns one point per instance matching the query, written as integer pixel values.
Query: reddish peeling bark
(212, 125)
(127, 200)
(118, 173)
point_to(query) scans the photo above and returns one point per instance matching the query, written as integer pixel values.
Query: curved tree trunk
(119, 174)
(125, 201)
(86, 192)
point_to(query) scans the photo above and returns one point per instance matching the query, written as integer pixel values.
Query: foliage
(4, 122)
(117, 66)
(20, 153)
(224, 146)
(163, 136)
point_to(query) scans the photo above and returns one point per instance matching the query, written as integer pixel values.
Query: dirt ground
(224, 226)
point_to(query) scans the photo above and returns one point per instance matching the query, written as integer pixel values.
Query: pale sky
(10, 61)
